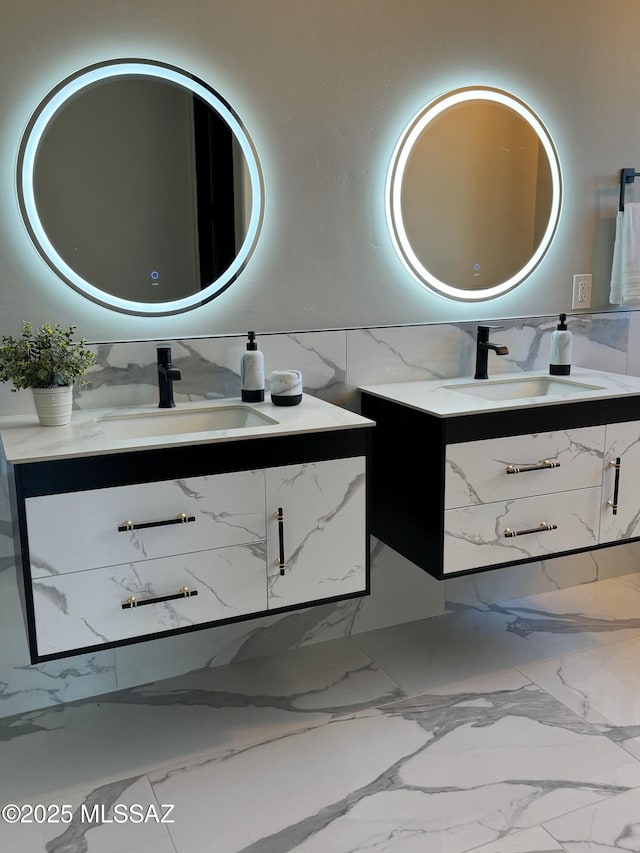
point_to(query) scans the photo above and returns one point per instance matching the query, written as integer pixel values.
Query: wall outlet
(581, 291)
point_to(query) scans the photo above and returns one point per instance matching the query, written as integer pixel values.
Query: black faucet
(483, 345)
(167, 375)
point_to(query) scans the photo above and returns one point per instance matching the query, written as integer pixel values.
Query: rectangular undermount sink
(179, 422)
(522, 388)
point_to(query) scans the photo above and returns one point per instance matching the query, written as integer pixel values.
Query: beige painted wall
(325, 89)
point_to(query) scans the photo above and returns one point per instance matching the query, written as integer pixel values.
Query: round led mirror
(473, 194)
(140, 187)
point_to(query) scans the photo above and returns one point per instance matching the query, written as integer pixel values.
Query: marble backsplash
(334, 364)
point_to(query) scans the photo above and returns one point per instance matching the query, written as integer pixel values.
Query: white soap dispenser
(252, 372)
(560, 350)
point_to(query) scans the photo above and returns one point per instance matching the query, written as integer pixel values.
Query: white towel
(625, 270)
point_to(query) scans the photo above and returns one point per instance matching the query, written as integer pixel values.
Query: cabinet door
(620, 519)
(321, 534)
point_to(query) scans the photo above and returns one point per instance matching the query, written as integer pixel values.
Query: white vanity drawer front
(79, 530)
(476, 472)
(475, 536)
(83, 609)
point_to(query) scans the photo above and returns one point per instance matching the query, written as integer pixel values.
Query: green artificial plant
(47, 358)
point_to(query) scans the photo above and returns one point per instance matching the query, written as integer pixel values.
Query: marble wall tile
(8, 550)
(240, 641)
(407, 353)
(617, 561)
(426, 654)
(125, 373)
(601, 341)
(401, 592)
(488, 637)
(330, 679)
(25, 687)
(543, 576)
(528, 341)
(321, 356)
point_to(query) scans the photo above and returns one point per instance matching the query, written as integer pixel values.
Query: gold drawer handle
(181, 518)
(540, 466)
(541, 527)
(133, 602)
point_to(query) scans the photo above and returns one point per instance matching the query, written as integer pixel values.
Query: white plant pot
(53, 405)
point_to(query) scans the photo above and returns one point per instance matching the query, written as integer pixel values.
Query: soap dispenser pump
(252, 372)
(560, 351)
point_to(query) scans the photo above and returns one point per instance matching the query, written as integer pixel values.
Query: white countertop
(439, 397)
(24, 440)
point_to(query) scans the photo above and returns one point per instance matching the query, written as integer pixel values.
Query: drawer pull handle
(522, 469)
(280, 560)
(133, 602)
(542, 526)
(181, 518)
(613, 504)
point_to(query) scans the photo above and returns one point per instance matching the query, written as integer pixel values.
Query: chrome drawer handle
(133, 602)
(181, 518)
(541, 466)
(541, 527)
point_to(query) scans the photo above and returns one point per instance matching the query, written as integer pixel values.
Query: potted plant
(48, 361)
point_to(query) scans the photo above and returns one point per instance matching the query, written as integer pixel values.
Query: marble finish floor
(498, 728)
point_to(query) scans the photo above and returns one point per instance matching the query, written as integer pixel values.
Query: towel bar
(627, 176)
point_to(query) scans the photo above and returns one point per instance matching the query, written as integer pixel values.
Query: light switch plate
(581, 297)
